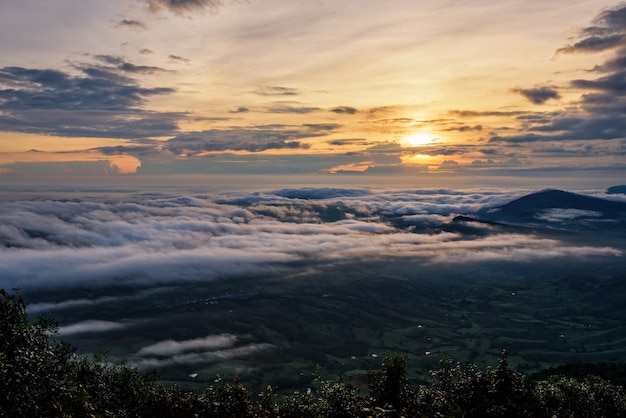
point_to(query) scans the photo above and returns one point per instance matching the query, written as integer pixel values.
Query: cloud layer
(162, 239)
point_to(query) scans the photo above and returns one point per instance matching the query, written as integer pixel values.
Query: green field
(340, 321)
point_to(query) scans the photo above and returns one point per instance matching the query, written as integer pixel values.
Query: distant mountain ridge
(560, 209)
(616, 190)
(558, 199)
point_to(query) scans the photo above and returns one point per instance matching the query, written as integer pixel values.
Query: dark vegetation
(40, 377)
(336, 321)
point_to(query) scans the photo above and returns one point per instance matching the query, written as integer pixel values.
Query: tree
(389, 386)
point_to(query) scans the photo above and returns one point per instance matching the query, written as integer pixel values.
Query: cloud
(205, 350)
(172, 347)
(132, 24)
(607, 32)
(101, 101)
(539, 95)
(517, 248)
(290, 107)
(560, 215)
(614, 83)
(276, 91)
(150, 241)
(34, 308)
(344, 110)
(184, 6)
(92, 326)
(489, 113)
(178, 58)
(128, 67)
(189, 359)
(252, 139)
(466, 128)
(599, 114)
(594, 44)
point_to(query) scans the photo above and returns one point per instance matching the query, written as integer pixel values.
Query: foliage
(40, 377)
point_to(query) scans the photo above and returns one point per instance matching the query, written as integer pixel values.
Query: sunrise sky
(133, 90)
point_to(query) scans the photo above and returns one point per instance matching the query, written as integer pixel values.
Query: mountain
(560, 210)
(616, 190)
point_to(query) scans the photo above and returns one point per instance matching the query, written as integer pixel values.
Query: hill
(559, 209)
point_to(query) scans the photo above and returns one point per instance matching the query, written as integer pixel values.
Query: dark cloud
(136, 150)
(344, 110)
(600, 114)
(99, 88)
(184, 6)
(489, 151)
(594, 44)
(178, 58)
(350, 141)
(290, 107)
(102, 100)
(516, 139)
(614, 83)
(128, 67)
(254, 139)
(132, 24)
(240, 110)
(607, 32)
(146, 51)
(466, 128)
(494, 113)
(276, 91)
(539, 95)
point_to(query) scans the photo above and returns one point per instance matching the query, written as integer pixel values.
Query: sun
(419, 139)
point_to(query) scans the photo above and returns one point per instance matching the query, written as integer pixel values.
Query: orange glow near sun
(419, 139)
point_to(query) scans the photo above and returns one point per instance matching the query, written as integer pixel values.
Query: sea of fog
(150, 239)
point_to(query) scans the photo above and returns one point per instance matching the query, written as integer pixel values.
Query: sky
(446, 92)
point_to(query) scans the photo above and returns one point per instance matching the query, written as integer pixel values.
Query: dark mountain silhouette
(550, 199)
(559, 209)
(616, 190)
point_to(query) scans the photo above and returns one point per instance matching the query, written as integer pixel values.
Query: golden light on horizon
(418, 159)
(419, 139)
